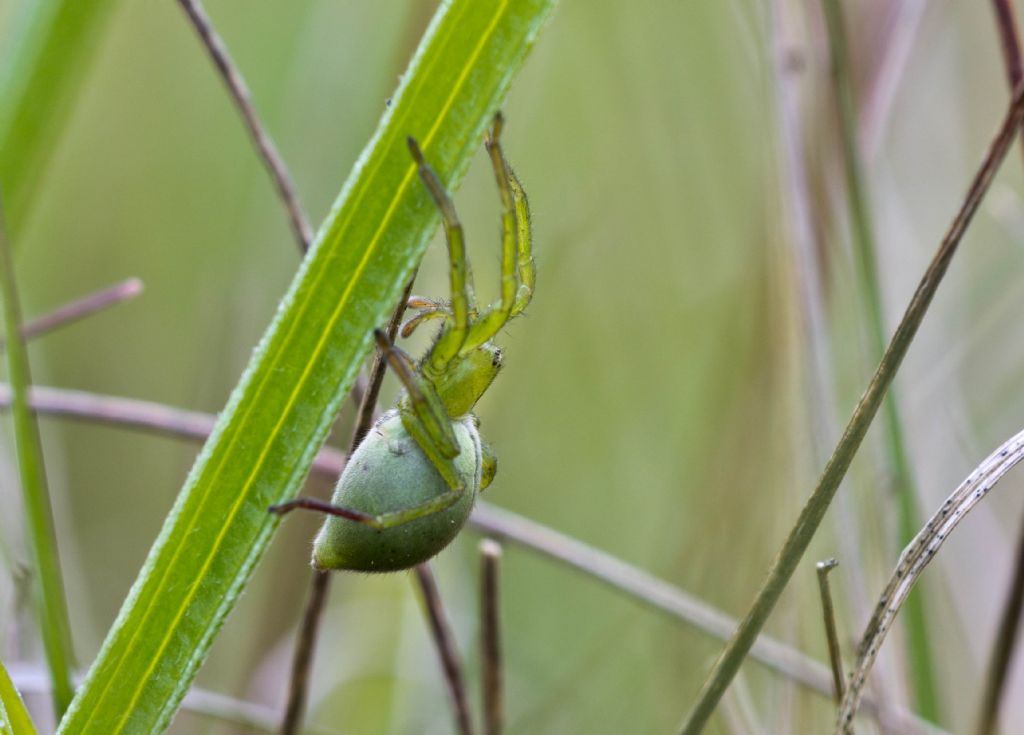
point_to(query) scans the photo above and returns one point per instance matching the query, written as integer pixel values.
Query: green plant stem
(51, 608)
(39, 80)
(919, 649)
(810, 517)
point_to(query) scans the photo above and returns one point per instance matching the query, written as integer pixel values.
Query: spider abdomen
(389, 472)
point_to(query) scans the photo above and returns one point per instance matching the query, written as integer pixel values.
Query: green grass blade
(280, 413)
(47, 587)
(919, 658)
(40, 76)
(14, 718)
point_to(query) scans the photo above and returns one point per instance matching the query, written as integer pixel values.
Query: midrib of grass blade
(47, 586)
(279, 414)
(14, 718)
(39, 80)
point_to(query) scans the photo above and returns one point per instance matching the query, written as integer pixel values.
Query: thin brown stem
(828, 612)
(445, 642)
(1009, 41)
(490, 626)
(811, 515)
(302, 659)
(1003, 646)
(78, 309)
(272, 160)
(143, 415)
(1009, 623)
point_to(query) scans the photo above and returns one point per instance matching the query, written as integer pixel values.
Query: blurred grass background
(656, 399)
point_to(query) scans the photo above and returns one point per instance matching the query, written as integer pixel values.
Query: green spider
(409, 487)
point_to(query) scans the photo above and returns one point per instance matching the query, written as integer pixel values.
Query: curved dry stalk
(915, 558)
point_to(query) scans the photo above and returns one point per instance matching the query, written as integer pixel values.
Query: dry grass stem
(490, 626)
(260, 137)
(441, 632)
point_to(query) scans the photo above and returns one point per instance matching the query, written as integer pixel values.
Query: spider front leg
(517, 266)
(453, 332)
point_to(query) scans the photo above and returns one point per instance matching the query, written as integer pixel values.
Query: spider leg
(454, 333)
(526, 266)
(412, 323)
(423, 413)
(386, 520)
(517, 269)
(421, 402)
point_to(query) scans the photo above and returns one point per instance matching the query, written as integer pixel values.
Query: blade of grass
(813, 512)
(48, 588)
(919, 649)
(39, 80)
(14, 718)
(279, 415)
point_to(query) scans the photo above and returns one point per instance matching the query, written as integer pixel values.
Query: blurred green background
(658, 398)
